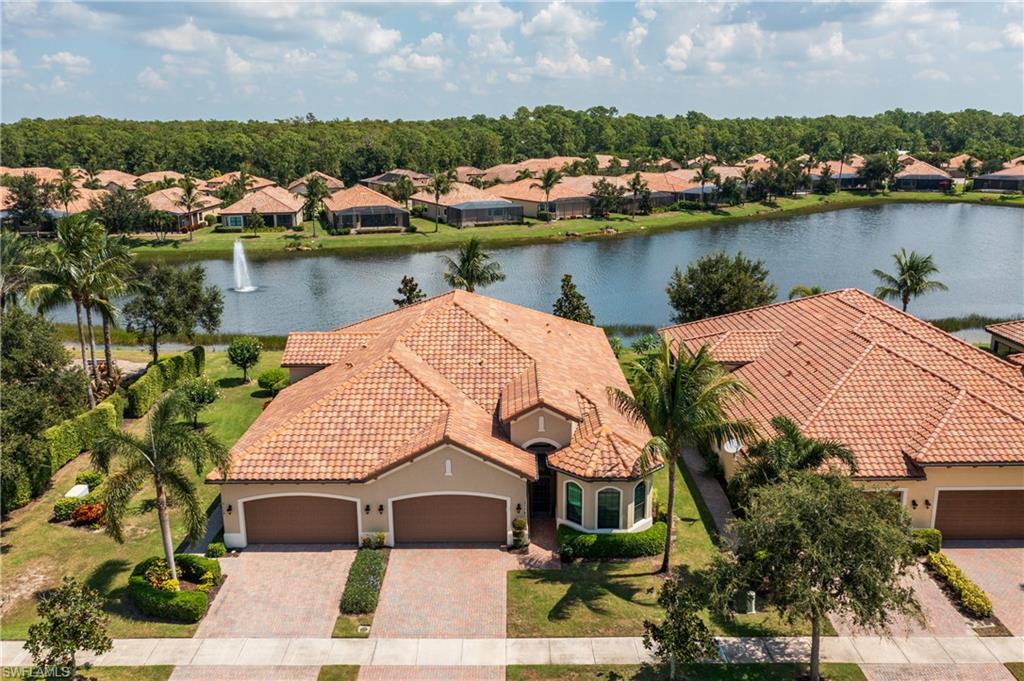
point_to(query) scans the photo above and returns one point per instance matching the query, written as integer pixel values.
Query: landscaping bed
(703, 672)
(362, 589)
(153, 593)
(575, 544)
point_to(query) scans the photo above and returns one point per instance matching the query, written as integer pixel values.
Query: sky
(267, 60)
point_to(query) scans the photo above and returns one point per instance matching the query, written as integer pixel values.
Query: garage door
(981, 514)
(450, 518)
(301, 520)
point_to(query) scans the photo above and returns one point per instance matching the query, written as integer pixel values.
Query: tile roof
(450, 369)
(529, 190)
(916, 168)
(160, 175)
(82, 203)
(1016, 358)
(1011, 331)
(459, 194)
(418, 179)
(359, 196)
(957, 162)
(167, 200)
(118, 177)
(255, 181)
(1009, 171)
(899, 392)
(42, 173)
(333, 183)
(271, 199)
(466, 173)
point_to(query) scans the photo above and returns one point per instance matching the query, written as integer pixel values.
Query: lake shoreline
(520, 235)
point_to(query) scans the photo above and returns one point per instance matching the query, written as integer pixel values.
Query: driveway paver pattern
(998, 568)
(279, 591)
(423, 673)
(240, 673)
(444, 592)
(936, 672)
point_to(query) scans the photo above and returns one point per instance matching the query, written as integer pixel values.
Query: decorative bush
(192, 567)
(275, 380)
(161, 376)
(89, 514)
(175, 606)
(972, 598)
(362, 589)
(927, 541)
(90, 477)
(518, 533)
(197, 393)
(649, 542)
(65, 507)
(216, 550)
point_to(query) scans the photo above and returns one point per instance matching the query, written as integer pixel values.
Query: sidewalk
(922, 650)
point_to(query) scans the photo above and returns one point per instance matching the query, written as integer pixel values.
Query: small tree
(244, 353)
(72, 619)
(718, 284)
(256, 222)
(571, 304)
(409, 291)
(608, 197)
(316, 192)
(197, 393)
(122, 211)
(682, 636)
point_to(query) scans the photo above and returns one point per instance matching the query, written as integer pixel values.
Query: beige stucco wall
(426, 474)
(627, 521)
(528, 428)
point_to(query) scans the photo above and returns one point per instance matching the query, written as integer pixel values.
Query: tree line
(289, 148)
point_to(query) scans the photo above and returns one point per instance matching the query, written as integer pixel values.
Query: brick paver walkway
(998, 568)
(279, 591)
(936, 672)
(236, 673)
(710, 490)
(443, 593)
(431, 674)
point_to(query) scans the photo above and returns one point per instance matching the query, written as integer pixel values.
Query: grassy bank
(69, 332)
(208, 244)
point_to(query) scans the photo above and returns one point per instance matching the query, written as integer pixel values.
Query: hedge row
(69, 438)
(175, 606)
(575, 544)
(926, 540)
(161, 376)
(362, 589)
(972, 598)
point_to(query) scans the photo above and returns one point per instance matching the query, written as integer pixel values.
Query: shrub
(193, 567)
(545, 216)
(418, 210)
(927, 541)
(161, 376)
(197, 393)
(970, 596)
(275, 380)
(244, 353)
(175, 606)
(649, 542)
(88, 514)
(63, 443)
(362, 589)
(216, 550)
(518, 533)
(64, 508)
(90, 477)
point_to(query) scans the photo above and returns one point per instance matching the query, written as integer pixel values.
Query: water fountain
(242, 282)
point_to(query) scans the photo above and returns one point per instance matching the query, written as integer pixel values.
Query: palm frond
(181, 489)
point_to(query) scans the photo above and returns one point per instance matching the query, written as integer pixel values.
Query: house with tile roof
(117, 179)
(1009, 179)
(926, 414)
(1007, 337)
(920, 176)
(254, 184)
(168, 200)
(387, 179)
(160, 176)
(362, 209)
(276, 205)
(300, 186)
(566, 199)
(467, 206)
(443, 421)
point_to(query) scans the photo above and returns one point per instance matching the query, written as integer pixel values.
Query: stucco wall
(425, 474)
(527, 428)
(627, 522)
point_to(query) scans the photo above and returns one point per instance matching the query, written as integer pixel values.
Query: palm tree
(789, 451)
(747, 175)
(18, 254)
(911, 279)
(316, 192)
(474, 267)
(969, 167)
(844, 157)
(64, 190)
(189, 200)
(524, 174)
(682, 399)
(802, 291)
(440, 184)
(160, 456)
(548, 181)
(403, 188)
(808, 165)
(113, 279)
(637, 184)
(706, 173)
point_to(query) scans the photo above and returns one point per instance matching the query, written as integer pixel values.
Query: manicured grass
(153, 673)
(1017, 669)
(338, 672)
(69, 332)
(207, 244)
(347, 626)
(703, 672)
(36, 553)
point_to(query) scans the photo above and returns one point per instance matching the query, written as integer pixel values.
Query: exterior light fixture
(927, 503)
(229, 509)
(519, 509)
(380, 509)
(367, 510)
(913, 503)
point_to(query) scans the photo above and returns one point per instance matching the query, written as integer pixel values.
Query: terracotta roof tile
(916, 168)
(1011, 331)
(167, 200)
(332, 183)
(359, 196)
(459, 194)
(271, 199)
(160, 175)
(255, 181)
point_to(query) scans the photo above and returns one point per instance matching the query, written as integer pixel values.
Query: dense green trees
(571, 304)
(286, 149)
(718, 284)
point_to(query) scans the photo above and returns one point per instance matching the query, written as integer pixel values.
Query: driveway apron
(998, 568)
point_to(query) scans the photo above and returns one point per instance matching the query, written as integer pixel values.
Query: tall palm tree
(403, 188)
(844, 158)
(808, 164)
(969, 167)
(789, 451)
(747, 176)
(17, 255)
(473, 267)
(160, 456)
(705, 174)
(548, 181)
(316, 192)
(524, 174)
(113, 279)
(637, 184)
(682, 398)
(440, 184)
(189, 200)
(802, 291)
(64, 189)
(911, 279)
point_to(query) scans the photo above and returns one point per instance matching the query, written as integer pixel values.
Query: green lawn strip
(1017, 669)
(148, 673)
(347, 626)
(338, 672)
(703, 672)
(37, 553)
(209, 244)
(69, 332)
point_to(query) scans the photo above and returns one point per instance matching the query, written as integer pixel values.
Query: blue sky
(265, 60)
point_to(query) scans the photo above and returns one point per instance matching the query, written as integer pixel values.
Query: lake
(979, 251)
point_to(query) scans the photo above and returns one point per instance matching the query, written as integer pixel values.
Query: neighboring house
(1017, 161)
(955, 165)
(386, 180)
(160, 176)
(166, 200)
(849, 178)
(566, 200)
(926, 414)
(761, 162)
(467, 173)
(256, 182)
(467, 206)
(278, 207)
(440, 422)
(361, 209)
(1009, 179)
(42, 173)
(113, 179)
(1007, 337)
(921, 176)
(55, 212)
(299, 186)
(666, 188)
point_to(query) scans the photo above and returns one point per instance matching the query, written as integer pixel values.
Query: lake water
(979, 251)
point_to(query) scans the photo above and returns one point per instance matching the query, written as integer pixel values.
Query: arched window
(574, 503)
(608, 508)
(639, 502)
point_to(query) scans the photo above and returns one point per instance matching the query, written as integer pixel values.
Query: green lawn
(153, 673)
(338, 672)
(1016, 669)
(36, 553)
(701, 672)
(207, 244)
(347, 626)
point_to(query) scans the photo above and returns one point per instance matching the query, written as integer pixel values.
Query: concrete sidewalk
(922, 650)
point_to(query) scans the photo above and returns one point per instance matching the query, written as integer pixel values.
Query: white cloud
(567, 62)
(833, 48)
(932, 74)
(646, 11)
(58, 84)
(408, 60)
(900, 14)
(74, 63)
(1014, 34)
(10, 64)
(434, 41)
(560, 19)
(150, 79)
(451, 87)
(490, 46)
(185, 38)
(363, 33)
(678, 53)
(487, 17)
(728, 38)
(241, 68)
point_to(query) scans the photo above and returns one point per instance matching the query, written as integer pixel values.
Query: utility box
(77, 491)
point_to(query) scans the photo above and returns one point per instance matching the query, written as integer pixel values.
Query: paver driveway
(279, 591)
(445, 592)
(998, 568)
(936, 672)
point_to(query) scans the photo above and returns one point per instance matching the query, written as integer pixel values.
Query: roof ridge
(824, 294)
(839, 384)
(391, 353)
(496, 333)
(942, 423)
(397, 311)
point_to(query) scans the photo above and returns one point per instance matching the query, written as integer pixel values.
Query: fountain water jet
(242, 282)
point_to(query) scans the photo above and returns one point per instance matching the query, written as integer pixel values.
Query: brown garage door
(301, 520)
(450, 518)
(981, 514)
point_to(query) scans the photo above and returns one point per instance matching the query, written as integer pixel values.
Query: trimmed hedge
(926, 540)
(64, 508)
(971, 597)
(575, 544)
(362, 588)
(175, 606)
(69, 438)
(161, 376)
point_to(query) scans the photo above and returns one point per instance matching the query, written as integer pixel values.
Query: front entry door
(542, 492)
